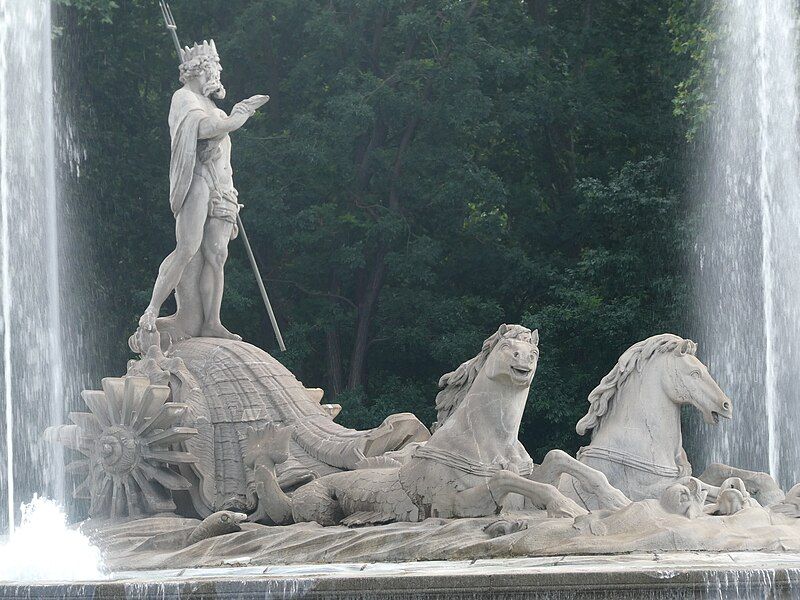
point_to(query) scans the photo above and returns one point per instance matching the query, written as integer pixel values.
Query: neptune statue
(202, 198)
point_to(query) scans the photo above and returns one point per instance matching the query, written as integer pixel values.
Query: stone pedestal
(651, 576)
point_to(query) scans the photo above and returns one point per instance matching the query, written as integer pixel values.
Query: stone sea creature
(729, 502)
(729, 498)
(505, 527)
(219, 523)
(634, 416)
(686, 499)
(472, 466)
(761, 486)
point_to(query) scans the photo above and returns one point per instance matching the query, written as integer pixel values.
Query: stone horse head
(634, 414)
(507, 359)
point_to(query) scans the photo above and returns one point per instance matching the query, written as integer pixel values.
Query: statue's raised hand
(250, 105)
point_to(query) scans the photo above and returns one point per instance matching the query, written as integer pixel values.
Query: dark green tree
(424, 171)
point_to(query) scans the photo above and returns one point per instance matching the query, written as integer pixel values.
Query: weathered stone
(472, 466)
(634, 419)
(632, 577)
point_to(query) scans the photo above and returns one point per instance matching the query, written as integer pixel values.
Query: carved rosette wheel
(128, 443)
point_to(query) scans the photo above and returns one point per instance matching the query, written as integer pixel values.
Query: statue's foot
(607, 495)
(217, 330)
(563, 507)
(147, 321)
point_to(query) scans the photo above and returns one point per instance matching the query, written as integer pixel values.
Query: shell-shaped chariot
(171, 435)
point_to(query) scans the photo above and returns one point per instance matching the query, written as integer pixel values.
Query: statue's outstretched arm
(216, 126)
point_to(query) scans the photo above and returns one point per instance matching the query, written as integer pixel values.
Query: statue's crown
(207, 48)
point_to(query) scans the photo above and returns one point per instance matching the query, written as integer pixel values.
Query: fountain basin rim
(657, 566)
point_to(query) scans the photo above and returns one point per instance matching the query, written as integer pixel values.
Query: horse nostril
(726, 405)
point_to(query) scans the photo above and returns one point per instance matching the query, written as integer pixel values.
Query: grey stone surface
(634, 420)
(640, 576)
(247, 436)
(642, 526)
(472, 466)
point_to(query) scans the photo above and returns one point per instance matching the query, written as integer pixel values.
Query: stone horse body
(635, 416)
(473, 465)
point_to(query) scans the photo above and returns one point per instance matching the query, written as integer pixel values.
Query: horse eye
(695, 374)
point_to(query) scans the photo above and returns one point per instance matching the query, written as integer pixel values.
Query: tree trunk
(334, 360)
(559, 143)
(366, 310)
(371, 289)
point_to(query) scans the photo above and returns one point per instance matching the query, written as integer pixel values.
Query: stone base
(148, 544)
(638, 576)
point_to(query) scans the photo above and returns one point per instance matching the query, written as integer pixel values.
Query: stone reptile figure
(472, 466)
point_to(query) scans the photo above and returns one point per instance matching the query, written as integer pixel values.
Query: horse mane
(632, 360)
(457, 383)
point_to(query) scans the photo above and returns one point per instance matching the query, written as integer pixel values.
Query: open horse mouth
(715, 416)
(521, 371)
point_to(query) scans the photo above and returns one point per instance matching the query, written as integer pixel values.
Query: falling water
(32, 394)
(748, 248)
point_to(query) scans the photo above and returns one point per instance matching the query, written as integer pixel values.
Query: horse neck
(642, 420)
(489, 417)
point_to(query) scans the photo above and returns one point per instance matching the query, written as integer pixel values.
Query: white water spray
(32, 372)
(748, 283)
(43, 548)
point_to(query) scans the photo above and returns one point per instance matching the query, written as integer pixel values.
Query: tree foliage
(424, 171)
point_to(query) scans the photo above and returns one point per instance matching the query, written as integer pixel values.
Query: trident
(169, 21)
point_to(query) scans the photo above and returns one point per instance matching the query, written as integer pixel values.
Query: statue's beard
(214, 89)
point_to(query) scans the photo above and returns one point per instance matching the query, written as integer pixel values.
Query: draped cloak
(185, 114)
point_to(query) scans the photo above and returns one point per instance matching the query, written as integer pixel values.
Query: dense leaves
(425, 171)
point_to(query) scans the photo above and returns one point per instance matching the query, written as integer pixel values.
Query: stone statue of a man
(202, 198)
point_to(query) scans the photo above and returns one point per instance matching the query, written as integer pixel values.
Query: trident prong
(168, 18)
(169, 21)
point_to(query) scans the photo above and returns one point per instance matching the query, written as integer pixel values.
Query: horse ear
(503, 329)
(535, 337)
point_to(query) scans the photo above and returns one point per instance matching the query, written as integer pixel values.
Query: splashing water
(43, 548)
(748, 282)
(31, 380)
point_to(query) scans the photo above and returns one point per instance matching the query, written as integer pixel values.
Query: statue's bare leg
(557, 462)
(539, 494)
(188, 236)
(212, 279)
(503, 483)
